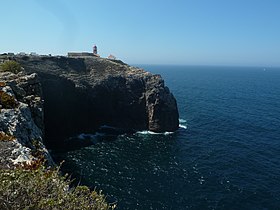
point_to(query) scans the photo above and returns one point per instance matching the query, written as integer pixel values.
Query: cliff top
(87, 69)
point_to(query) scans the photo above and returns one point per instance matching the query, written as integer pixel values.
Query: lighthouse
(94, 50)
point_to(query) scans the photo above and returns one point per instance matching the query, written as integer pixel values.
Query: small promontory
(83, 93)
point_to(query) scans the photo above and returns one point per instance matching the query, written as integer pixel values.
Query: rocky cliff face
(21, 120)
(82, 94)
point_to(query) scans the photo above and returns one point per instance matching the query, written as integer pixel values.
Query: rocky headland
(56, 97)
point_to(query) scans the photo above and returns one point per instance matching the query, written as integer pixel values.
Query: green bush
(11, 66)
(40, 188)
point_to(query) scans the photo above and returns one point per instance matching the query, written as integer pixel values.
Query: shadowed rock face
(82, 94)
(161, 106)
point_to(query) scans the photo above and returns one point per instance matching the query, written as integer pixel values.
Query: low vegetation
(35, 187)
(7, 101)
(6, 137)
(11, 66)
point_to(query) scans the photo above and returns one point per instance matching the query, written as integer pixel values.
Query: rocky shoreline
(54, 98)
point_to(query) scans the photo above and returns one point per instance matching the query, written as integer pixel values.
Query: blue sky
(192, 32)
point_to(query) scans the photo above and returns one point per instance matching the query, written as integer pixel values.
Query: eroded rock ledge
(81, 94)
(21, 120)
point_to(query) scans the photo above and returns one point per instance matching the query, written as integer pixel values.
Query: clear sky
(192, 32)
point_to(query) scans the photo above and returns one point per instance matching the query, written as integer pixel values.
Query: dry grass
(7, 101)
(6, 137)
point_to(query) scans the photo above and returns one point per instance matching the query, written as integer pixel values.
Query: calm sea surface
(226, 154)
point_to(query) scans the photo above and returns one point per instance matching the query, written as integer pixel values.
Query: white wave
(182, 121)
(182, 126)
(153, 133)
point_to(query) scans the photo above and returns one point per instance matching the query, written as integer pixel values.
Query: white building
(22, 53)
(111, 57)
(34, 54)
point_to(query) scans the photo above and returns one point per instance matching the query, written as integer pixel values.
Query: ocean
(225, 155)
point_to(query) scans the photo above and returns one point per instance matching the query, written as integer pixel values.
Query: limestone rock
(161, 105)
(23, 122)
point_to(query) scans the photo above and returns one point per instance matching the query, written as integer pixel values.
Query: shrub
(11, 66)
(7, 101)
(45, 189)
(6, 137)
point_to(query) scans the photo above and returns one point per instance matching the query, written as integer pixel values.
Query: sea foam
(182, 123)
(153, 133)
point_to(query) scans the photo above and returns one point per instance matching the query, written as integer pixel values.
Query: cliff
(21, 120)
(82, 94)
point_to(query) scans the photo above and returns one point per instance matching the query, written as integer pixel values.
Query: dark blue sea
(226, 154)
